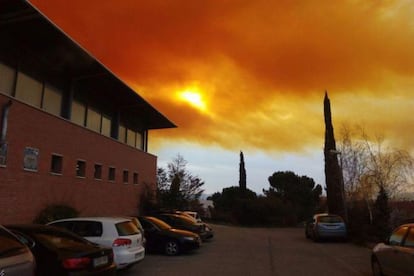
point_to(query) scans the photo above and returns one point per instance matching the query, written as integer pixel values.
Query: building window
(7, 75)
(56, 164)
(29, 90)
(52, 100)
(139, 141)
(125, 177)
(30, 159)
(111, 174)
(93, 120)
(98, 171)
(130, 138)
(122, 134)
(135, 178)
(106, 126)
(81, 168)
(78, 113)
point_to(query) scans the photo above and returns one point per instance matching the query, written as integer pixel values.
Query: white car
(117, 232)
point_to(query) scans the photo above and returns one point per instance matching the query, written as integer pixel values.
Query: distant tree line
(291, 199)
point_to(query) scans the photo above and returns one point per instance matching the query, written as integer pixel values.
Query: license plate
(100, 261)
(137, 255)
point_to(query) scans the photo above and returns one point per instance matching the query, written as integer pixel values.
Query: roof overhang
(27, 31)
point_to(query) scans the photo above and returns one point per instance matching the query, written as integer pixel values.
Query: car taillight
(121, 242)
(76, 263)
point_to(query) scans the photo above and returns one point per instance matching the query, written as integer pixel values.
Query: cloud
(262, 66)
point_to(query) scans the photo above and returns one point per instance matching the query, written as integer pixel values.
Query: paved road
(260, 251)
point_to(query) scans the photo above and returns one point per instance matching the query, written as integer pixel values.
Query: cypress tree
(242, 173)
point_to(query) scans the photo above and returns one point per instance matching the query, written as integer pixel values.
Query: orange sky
(261, 67)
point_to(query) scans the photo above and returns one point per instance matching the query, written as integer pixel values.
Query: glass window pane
(52, 100)
(122, 134)
(6, 79)
(398, 235)
(111, 174)
(138, 141)
(130, 137)
(98, 171)
(106, 126)
(56, 164)
(135, 180)
(80, 168)
(78, 113)
(409, 241)
(28, 89)
(125, 177)
(93, 121)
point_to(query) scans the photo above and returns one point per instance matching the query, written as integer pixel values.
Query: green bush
(55, 212)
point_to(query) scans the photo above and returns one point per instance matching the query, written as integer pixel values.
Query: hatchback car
(15, 257)
(60, 252)
(119, 233)
(395, 256)
(326, 226)
(161, 237)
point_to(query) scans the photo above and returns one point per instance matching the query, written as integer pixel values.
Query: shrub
(55, 212)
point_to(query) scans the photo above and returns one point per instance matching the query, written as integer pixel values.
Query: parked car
(60, 252)
(192, 214)
(15, 257)
(326, 226)
(183, 222)
(119, 233)
(395, 256)
(161, 237)
(197, 219)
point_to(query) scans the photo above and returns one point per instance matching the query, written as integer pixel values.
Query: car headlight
(189, 238)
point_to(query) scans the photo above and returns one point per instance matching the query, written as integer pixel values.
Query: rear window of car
(126, 228)
(59, 239)
(9, 245)
(82, 228)
(330, 219)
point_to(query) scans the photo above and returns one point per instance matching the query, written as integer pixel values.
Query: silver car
(120, 233)
(395, 256)
(326, 226)
(15, 257)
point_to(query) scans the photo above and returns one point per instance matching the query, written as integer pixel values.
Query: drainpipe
(5, 115)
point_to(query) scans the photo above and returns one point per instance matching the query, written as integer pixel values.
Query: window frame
(60, 157)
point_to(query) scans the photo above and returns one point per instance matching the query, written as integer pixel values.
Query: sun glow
(194, 98)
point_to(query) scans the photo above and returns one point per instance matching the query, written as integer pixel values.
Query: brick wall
(24, 193)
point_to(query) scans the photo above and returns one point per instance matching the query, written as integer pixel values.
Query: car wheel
(376, 267)
(172, 248)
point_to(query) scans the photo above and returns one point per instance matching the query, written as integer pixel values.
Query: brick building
(71, 131)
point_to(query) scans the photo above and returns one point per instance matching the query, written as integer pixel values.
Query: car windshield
(127, 228)
(9, 245)
(330, 219)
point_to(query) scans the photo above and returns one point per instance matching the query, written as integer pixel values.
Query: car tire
(171, 248)
(376, 267)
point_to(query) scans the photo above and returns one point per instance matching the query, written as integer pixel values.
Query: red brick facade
(24, 193)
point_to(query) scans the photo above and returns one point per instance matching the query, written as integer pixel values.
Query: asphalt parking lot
(260, 251)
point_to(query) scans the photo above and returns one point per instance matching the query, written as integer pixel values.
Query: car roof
(101, 219)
